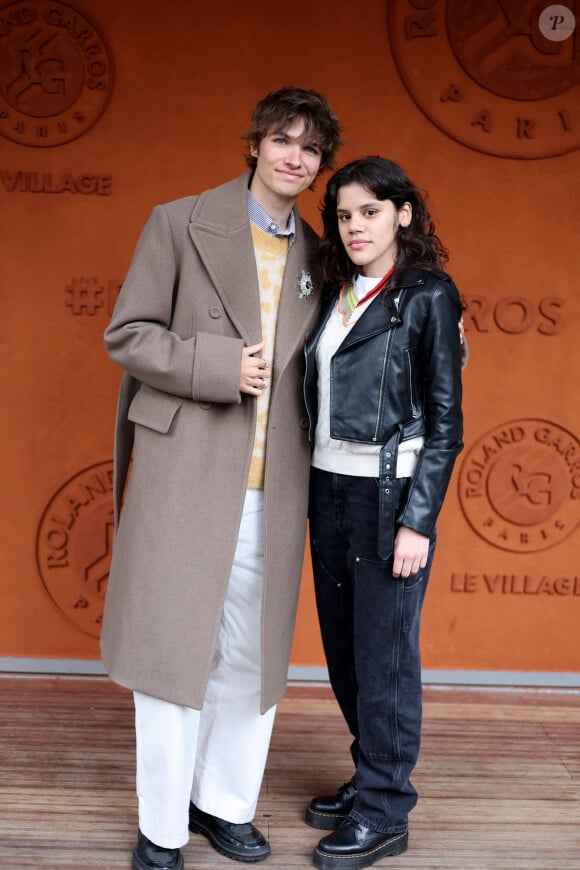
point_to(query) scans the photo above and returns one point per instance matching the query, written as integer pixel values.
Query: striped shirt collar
(265, 223)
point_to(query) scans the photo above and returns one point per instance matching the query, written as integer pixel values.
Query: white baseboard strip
(17, 666)
(536, 679)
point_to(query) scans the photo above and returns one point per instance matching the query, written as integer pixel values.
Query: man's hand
(410, 554)
(255, 371)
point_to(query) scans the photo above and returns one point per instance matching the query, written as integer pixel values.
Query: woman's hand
(255, 372)
(410, 553)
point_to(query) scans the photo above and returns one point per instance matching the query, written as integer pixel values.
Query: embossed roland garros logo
(490, 74)
(519, 485)
(56, 73)
(74, 543)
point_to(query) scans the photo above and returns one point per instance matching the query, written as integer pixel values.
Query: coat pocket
(153, 410)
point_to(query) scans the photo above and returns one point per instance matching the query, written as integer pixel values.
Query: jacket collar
(415, 277)
(382, 314)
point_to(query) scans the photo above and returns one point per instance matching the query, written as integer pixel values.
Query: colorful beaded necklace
(348, 303)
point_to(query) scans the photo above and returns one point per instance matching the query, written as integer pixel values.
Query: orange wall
(145, 102)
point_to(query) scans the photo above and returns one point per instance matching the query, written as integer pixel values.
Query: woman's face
(368, 228)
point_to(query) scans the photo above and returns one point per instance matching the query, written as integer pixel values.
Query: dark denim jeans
(370, 630)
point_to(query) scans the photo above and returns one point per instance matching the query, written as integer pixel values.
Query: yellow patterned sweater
(271, 254)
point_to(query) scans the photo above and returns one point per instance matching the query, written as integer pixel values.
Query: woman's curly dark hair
(417, 245)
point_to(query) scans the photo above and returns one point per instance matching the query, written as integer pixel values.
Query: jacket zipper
(411, 393)
(383, 373)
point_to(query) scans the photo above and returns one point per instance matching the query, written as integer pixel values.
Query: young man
(210, 328)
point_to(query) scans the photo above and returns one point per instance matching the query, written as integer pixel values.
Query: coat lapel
(296, 316)
(220, 230)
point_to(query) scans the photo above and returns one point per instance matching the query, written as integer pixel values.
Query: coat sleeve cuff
(216, 368)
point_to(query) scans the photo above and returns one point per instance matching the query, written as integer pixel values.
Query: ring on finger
(263, 383)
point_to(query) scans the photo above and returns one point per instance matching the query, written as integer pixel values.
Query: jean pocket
(324, 573)
(413, 594)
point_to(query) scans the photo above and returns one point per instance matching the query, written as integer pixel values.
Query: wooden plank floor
(498, 777)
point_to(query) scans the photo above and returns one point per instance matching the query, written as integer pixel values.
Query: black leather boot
(328, 811)
(148, 856)
(352, 847)
(241, 842)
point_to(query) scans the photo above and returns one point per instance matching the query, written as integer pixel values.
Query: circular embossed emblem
(484, 72)
(73, 546)
(56, 73)
(519, 485)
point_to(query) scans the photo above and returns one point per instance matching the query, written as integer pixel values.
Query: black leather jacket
(397, 375)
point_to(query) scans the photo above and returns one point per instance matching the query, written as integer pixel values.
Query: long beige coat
(188, 306)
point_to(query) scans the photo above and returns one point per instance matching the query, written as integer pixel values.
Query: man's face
(287, 163)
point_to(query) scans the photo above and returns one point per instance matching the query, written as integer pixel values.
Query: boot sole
(229, 852)
(396, 845)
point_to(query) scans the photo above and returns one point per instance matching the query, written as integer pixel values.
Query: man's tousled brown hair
(279, 109)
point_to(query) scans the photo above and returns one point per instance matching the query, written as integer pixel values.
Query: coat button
(304, 422)
(215, 312)
(205, 405)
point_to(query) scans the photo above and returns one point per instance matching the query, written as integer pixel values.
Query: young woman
(383, 392)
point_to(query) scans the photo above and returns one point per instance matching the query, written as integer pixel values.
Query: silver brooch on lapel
(305, 285)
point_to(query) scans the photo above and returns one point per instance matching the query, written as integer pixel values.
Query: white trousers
(217, 755)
